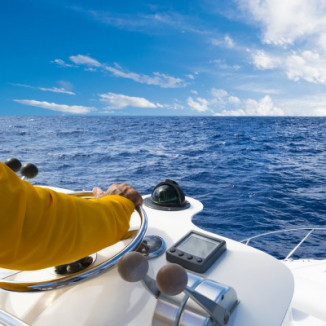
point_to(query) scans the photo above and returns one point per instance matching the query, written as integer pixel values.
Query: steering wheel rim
(86, 274)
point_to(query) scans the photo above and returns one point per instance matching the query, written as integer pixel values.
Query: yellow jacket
(40, 228)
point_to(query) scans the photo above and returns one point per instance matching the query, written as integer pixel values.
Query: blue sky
(181, 57)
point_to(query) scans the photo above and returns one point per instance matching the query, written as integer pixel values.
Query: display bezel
(194, 261)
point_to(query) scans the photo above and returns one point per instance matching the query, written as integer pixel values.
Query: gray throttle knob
(172, 279)
(133, 267)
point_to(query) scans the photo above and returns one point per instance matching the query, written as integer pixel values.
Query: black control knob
(14, 164)
(29, 170)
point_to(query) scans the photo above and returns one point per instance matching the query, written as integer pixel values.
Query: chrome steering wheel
(89, 272)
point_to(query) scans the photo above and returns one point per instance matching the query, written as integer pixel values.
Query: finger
(112, 190)
(98, 192)
(134, 196)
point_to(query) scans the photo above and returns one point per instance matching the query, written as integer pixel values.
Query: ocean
(253, 174)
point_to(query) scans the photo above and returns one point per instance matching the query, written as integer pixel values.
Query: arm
(41, 228)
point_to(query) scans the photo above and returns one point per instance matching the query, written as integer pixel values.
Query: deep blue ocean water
(253, 175)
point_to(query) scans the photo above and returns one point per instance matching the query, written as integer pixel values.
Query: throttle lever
(172, 279)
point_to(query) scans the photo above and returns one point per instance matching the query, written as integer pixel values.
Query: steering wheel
(89, 272)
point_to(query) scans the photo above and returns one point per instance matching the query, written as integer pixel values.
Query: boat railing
(294, 248)
(7, 319)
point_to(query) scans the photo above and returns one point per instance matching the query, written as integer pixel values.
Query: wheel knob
(172, 279)
(133, 267)
(14, 164)
(29, 170)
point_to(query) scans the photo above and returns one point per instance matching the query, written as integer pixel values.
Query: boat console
(169, 273)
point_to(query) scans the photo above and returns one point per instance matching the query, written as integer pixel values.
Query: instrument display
(196, 251)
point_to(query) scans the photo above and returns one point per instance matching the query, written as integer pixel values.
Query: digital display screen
(198, 246)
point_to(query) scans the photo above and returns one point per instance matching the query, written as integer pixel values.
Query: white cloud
(304, 65)
(151, 23)
(157, 79)
(308, 65)
(56, 90)
(219, 98)
(262, 60)
(61, 63)
(77, 109)
(250, 107)
(284, 22)
(234, 100)
(223, 65)
(221, 103)
(263, 107)
(306, 105)
(61, 90)
(297, 29)
(199, 104)
(119, 101)
(226, 41)
(84, 60)
(176, 106)
(229, 41)
(219, 93)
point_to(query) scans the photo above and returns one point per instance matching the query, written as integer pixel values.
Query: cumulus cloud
(199, 104)
(221, 103)
(308, 65)
(284, 22)
(304, 65)
(119, 101)
(250, 107)
(234, 99)
(297, 31)
(204, 105)
(77, 109)
(263, 60)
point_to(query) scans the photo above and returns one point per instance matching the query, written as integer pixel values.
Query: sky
(163, 57)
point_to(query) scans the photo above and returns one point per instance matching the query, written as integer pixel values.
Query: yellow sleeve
(40, 228)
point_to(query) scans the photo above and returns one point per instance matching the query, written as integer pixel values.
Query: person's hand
(121, 190)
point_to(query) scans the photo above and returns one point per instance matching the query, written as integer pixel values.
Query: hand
(121, 190)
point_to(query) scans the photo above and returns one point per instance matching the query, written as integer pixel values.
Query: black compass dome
(167, 195)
